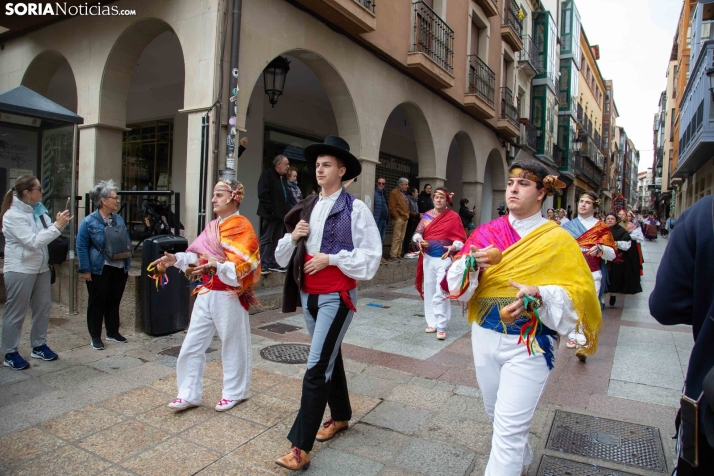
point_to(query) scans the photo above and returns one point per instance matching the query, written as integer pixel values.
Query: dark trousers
(409, 234)
(105, 292)
(270, 233)
(327, 318)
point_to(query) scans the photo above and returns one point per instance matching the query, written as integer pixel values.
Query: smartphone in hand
(66, 207)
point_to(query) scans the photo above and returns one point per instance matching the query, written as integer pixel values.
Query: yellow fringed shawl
(547, 256)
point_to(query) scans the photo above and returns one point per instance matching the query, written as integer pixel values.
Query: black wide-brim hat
(335, 146)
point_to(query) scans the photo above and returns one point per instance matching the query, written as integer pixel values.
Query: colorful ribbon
(531, 329)
(159, 278)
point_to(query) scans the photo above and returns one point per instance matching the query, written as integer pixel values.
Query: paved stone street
(417, 408)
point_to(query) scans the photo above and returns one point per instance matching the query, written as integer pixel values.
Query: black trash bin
(166, 310)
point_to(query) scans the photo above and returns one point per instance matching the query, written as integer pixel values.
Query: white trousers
(511, 382)
(216, 311)
(574, 335)
(437, 310)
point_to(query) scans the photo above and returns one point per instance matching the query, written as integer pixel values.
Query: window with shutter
(474, 38)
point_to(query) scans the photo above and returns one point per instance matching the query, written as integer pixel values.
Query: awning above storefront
(26, 102)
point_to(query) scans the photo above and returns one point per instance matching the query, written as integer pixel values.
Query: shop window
(278, 140)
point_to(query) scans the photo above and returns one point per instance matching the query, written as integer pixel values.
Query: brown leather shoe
(330, 428)
(582, 357)
(296, 459)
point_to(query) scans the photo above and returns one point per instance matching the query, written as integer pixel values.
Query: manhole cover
(174, 351)
(610, 440)
(286, 353)
(279, 328)
(552, 466)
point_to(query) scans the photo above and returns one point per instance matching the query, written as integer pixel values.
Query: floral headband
(550, 182)
(595, 202)
(236, 194)
(449, 197)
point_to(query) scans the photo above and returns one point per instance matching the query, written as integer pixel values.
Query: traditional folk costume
(344, 228)
(513, 360)
(624, 270)
(439, 231)
(222, 303)
(635, 232)
(589, 232)
(651, 227)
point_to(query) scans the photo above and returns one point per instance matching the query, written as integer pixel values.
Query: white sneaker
(225, 404)
(181, 404)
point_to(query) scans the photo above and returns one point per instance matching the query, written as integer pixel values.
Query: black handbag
(57, 248)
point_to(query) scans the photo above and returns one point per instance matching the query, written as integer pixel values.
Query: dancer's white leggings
(216, 311)
(511, 382)
(437, 310)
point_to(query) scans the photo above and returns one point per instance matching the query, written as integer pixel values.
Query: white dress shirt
(362, 262)
(557, 312)
(608, 254)
(226, 271)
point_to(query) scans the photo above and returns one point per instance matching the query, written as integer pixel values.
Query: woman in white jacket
(26, 269)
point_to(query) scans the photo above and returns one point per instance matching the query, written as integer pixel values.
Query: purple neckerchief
(337, 233)
(498, 233)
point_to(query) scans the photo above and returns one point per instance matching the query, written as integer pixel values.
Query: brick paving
(417, 408)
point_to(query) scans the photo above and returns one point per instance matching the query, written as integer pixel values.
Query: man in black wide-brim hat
(332, 242)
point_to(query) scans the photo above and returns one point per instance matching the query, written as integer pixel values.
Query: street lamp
(710, 75)
(577, 145)
(274, 78)
(659, 170)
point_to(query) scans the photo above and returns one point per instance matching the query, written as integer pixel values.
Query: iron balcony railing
(510, 16)
(368, 4)
(587, 169)
(432, 36)
(482, 80)
(529, 53)
(580, 114)
(589, 125)
(529, 134)
(598, 141)
(509, 111)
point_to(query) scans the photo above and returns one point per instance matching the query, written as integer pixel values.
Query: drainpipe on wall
(230, 172)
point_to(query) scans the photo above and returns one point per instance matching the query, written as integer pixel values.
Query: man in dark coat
(425, 201)
(272, 207)
(683, 294)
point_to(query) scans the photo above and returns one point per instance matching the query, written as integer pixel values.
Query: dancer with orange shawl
(438, 234)
(519, 306)
(598, 246)
(226, 259)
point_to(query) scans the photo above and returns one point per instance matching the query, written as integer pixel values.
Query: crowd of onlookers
(648, 222)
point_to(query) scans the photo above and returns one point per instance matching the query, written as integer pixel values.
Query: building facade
(692, 176)
(446, 93)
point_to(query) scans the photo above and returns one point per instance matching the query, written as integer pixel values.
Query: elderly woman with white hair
(105, 275)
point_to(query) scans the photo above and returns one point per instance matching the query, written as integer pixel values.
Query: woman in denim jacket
(105, 279)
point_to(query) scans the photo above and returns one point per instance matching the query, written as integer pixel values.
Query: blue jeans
(382, 227)
(327, 318)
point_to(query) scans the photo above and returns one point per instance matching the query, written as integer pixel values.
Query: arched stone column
(42, 71)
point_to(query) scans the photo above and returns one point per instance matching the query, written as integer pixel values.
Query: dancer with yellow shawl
(226, 259)
(519, 306)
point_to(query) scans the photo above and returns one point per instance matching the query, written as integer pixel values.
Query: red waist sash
(593, 262)
(213, 282)
(329, 280)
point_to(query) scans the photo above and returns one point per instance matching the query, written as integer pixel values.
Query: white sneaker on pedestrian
(225, 404)
(181, 404)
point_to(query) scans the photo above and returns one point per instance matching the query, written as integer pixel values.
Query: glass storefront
(146, 165)
(291, 144)
(56, 173)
